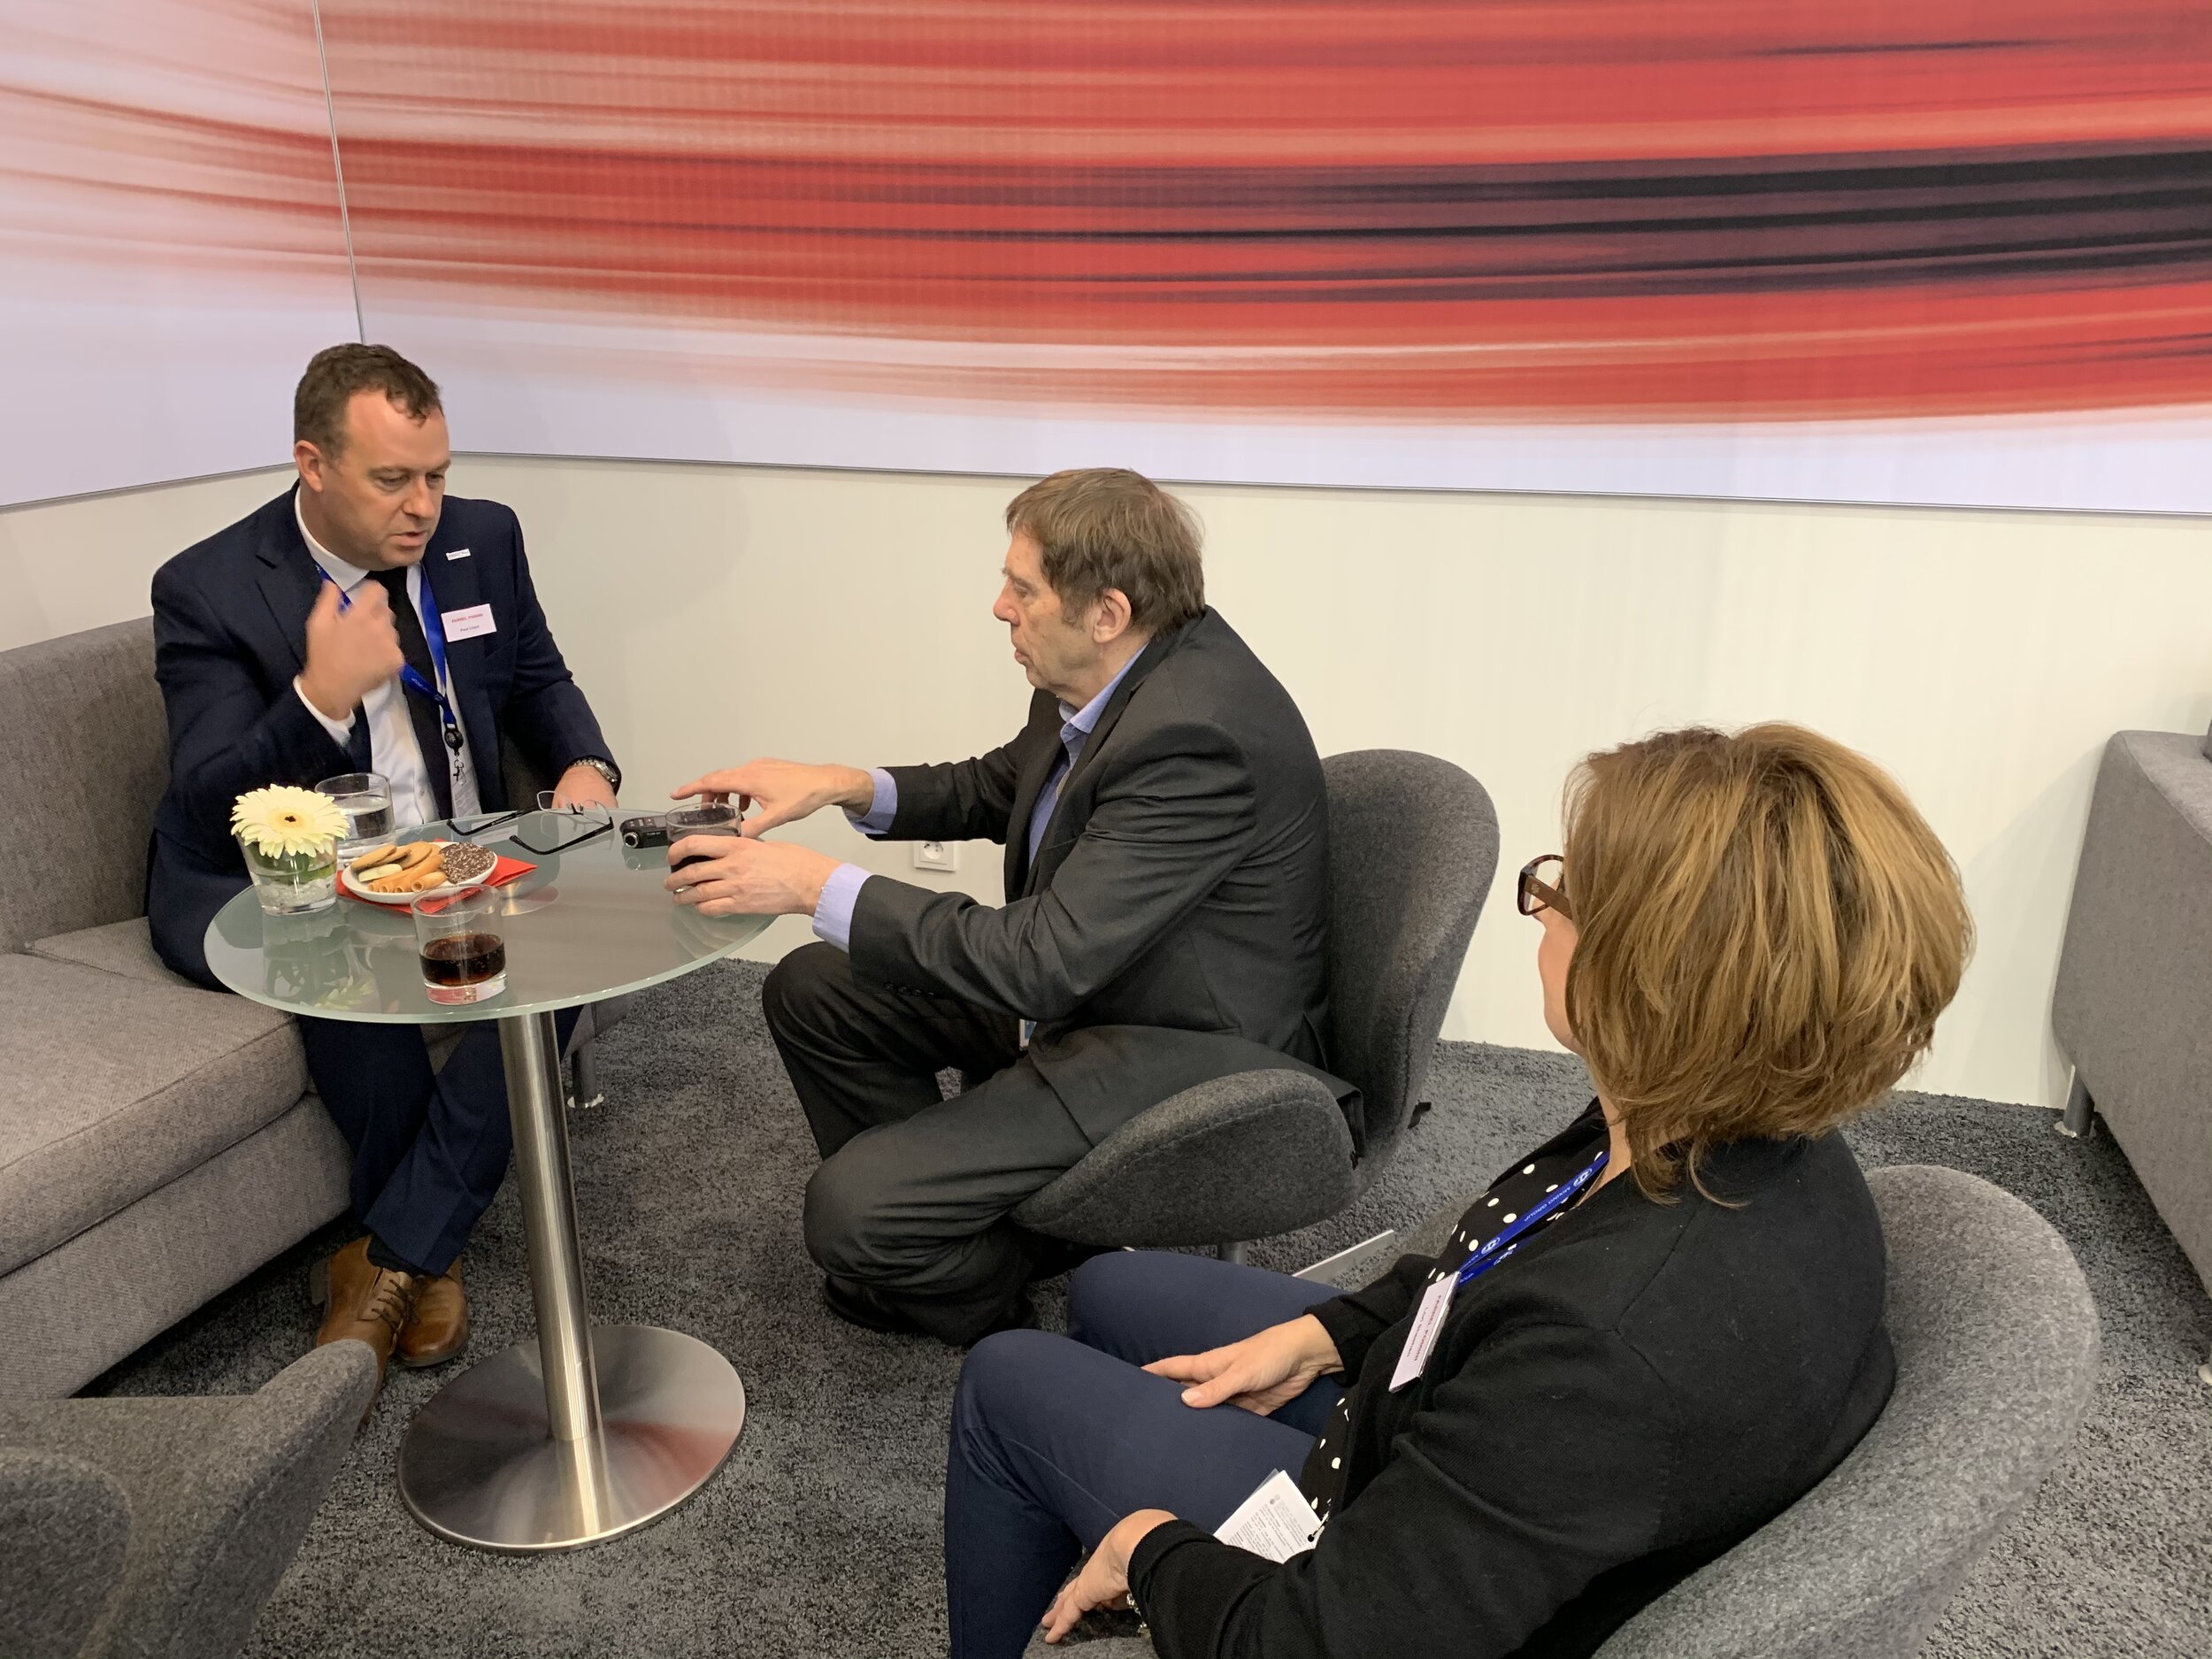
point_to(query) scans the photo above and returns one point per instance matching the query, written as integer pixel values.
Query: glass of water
(365, 798)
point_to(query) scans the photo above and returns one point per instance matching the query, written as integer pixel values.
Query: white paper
(1436, 1301)
(1276, 1521)
(468, 623)
(459, 553)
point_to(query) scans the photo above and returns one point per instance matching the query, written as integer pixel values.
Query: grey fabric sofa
(2133, 1008)
(1997, 1344)
(156, 1528)
(157, 1141)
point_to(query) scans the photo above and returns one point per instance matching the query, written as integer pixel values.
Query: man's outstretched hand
(785, 790)
(748, 878)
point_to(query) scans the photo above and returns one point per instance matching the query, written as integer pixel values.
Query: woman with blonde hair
(1646, 1338)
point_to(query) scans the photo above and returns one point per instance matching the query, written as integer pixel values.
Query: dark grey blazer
(1173, 930)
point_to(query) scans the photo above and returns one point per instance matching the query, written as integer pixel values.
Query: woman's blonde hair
(1767, 931)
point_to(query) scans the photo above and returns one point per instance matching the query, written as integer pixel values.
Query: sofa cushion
(84, 744)
(110, 1088)
(124, 948)
(128, 948)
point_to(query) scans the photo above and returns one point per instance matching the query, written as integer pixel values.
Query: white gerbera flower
(283, 821)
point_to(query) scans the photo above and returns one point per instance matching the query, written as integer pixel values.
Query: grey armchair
(1413, 844)
(156, 1528)
(1996, 1340)
(63, 1527)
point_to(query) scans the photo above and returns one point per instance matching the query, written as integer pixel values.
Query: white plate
(360, 891)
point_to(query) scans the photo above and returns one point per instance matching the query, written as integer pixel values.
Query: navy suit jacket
(230, 634)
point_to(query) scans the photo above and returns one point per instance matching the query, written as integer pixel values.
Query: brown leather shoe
(365, 1301)
(440, 1328)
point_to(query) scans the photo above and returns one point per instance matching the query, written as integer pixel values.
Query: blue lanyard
(434, 632)
(1496, 1249)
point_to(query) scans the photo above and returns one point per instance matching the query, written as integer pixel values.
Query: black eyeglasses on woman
(1544, 885)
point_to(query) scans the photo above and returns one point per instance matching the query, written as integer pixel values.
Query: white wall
(71, 565)
(714, 614)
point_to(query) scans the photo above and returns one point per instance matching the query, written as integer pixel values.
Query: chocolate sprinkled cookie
(466, 862)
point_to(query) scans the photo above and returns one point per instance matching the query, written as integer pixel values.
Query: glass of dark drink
(463, 952)
(708, 817)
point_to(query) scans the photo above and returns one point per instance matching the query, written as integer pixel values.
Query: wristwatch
(606, 769)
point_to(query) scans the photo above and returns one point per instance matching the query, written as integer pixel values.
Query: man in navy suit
(280, 644)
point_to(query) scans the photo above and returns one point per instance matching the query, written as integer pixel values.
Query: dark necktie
(421, 712)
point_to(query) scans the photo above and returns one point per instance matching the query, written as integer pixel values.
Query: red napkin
(505, 871)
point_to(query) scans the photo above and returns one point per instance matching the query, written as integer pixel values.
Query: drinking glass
(365, 798)
(709, 817)
(463, 951)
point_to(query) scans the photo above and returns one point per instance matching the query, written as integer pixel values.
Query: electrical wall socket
(936, 855)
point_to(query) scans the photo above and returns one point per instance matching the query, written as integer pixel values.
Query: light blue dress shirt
(833, 914)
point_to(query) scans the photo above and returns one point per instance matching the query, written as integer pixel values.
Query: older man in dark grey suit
(1166, 842)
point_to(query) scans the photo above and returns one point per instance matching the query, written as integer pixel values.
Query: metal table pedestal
(588, 1433)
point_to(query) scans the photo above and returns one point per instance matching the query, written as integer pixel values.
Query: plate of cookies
(400, 872)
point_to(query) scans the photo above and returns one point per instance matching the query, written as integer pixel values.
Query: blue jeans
(1055, 1437)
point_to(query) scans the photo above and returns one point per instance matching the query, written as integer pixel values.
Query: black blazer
(230, 634)
(1642, 1386)
(1173, 928)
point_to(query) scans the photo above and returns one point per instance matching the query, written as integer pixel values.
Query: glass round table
(590, 1432)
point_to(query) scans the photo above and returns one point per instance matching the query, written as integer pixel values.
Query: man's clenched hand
(349, 652)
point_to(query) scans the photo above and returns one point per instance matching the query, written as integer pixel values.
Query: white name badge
(466, 625)
(459, 553)
(1276, 1521)
(1436, 1301)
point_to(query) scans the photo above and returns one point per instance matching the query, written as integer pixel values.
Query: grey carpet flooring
(821, 1536)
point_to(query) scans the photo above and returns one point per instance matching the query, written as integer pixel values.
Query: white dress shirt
(393, 750)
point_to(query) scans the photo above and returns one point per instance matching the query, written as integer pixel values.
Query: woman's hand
(1260, 1373)
(1104, 1580)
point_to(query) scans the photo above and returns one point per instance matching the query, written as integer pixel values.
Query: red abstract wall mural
(1946, 250)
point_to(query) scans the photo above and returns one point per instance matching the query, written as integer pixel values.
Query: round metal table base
(480, 1465)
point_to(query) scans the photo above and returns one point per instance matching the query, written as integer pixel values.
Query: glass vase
(288, 884)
